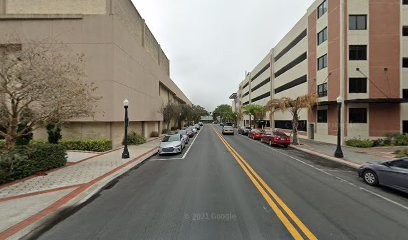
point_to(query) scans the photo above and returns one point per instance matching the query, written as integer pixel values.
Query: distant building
(354, 49)
(123, 59)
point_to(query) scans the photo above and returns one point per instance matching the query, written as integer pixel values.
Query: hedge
(135, 139)
(25, 161)
(100, 145)
(360, 143)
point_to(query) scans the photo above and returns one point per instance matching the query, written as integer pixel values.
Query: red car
(276, 138)
(256, 134)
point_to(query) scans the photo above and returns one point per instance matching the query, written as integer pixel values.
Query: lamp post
(339, 152)
(125, 153)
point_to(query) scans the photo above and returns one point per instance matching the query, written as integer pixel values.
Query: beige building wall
(122, 58)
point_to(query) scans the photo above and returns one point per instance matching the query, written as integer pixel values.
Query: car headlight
(178, 146)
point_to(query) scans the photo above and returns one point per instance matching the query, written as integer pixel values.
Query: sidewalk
(26, 204)
(353, 157)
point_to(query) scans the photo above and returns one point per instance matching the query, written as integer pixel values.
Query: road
(232, 187)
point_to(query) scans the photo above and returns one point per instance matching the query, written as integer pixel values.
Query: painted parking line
(272, 198)
(328, 172)
(184, 155)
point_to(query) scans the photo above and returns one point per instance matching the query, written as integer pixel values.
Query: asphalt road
(232, 187)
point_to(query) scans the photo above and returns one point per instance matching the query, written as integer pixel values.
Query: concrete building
(123, 59)
(354, 49)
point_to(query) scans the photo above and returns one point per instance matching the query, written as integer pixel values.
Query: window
(404, 93)
(405, 31)
(357, 85)
(358, 115)
(322, 116)
(405, 126)
(404, 2)
(405, 62)
(403, 163)
(322, 62)
(291, 84)
(282, 124)
(322, 36)
(358, 22)
(322, 9)
(358, 52)
(322, 90)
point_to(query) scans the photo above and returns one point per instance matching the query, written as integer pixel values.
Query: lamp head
(125, 102)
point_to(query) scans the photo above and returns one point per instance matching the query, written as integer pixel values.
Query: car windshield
(171, 138)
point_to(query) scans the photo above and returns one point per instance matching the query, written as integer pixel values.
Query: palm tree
(257, 111)
(294, 106)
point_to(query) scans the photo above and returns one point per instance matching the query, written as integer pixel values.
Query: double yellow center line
(263, 188)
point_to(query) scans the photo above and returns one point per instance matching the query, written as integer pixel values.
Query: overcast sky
(211, 43)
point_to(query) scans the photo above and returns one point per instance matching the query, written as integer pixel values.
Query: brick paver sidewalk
(355, 156)
(22, 202)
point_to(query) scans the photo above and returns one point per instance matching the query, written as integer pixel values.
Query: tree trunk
(295, 124)
(250, 121)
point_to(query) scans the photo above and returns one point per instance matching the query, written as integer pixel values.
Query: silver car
(393, 174)
(171, 144)
(184, 133)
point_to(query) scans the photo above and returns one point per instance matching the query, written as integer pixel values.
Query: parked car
(276, 138)
(194, 130)
(201, 123)
(256, 134)
(171, 144)
(228, 130)
(185, 136)
(197, 126)
(190, 132)
(393, 174)
(244, 130)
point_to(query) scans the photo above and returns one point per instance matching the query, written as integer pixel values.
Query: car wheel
(285, 146)
(370, 177)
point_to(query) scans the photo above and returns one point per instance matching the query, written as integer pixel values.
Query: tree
(222, 111)
(257, 111)
(170, 111)
(198, 112)
(45, 77)
(294, 106)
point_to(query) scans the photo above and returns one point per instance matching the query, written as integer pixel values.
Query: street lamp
(339, 152)
(125, 153)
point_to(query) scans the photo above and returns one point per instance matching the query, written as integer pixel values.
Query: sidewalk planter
(135, 139)
(25, 161)
(100, 145)
(360, 143)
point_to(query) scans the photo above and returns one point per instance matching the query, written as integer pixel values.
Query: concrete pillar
(145, 129)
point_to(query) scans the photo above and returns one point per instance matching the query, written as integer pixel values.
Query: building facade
(353, 49)
(122, 58)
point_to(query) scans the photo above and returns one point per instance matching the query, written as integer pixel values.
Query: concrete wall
(55, 6)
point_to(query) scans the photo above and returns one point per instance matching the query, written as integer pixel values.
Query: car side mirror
(387, 164)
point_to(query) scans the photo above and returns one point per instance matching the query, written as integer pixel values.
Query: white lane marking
(185, 154)
(338, 178)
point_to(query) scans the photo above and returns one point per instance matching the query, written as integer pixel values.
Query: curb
(345, 162)
(76, 199)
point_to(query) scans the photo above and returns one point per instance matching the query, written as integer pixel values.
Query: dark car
(190, 132)
(276, 138)
(256, 134)
(244, 130)
(393, 174)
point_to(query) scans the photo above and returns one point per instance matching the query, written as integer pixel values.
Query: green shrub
(135, 139)
(165, 131)
(379, 142)
(154, 134)
(54, 133)
(402, 153)
(360, 143)
(2, 143)
(26, 138)
(100, 145)
(25, 161)
(173, 128)
(396, 139)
